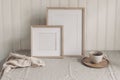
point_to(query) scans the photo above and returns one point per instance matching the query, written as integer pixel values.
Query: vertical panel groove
(97, 25)
(12, 26)
(7, 26)
(106, 26)
(77, 3)
(115, 24)
(117, 46)
(92, 24)
(2, 30)
(20, 27)
(64, 3)
(49, 2)
(85, 26)
(111, 26)
(68, 3)
(59, 3)
(3, 25)
(101, 24)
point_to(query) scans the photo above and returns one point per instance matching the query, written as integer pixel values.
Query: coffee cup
(96, 56)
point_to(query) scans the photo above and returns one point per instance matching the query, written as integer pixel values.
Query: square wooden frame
(61, 41)
(83, 25)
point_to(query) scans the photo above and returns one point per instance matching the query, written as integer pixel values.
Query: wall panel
(16, 17)
(102, 11)
(73, 3)
(25, 23)
(45, 3)
(15, 8)
(110, 28)
(7, 26)
(54, 3)
(92, 24)
(1, 32)
(82, 3)
(35, 11)
(117, 31)
(64, 3)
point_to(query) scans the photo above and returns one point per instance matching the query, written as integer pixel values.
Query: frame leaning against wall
(45, 29)
(83, 25)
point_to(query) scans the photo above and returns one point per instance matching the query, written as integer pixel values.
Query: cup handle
(105, 57)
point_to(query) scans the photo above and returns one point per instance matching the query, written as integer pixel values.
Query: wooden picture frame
(47, 41)
(57, 16)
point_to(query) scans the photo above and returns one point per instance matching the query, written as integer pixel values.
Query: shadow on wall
(20, 36)
(38, 20)
(2, 62)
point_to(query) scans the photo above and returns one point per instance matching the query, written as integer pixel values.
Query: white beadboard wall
(102, 22)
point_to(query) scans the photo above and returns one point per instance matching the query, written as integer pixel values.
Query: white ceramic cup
(96, 56)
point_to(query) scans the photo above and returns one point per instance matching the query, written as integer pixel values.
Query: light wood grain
(87, 62)
(83, 24)
(61, 41)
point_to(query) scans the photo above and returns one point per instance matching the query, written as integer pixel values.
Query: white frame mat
(46, 41)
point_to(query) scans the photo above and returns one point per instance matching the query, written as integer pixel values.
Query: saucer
(87, 62)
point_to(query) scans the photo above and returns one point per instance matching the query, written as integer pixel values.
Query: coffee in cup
(96, 56)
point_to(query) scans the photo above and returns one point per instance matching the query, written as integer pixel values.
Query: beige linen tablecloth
(68, 69)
